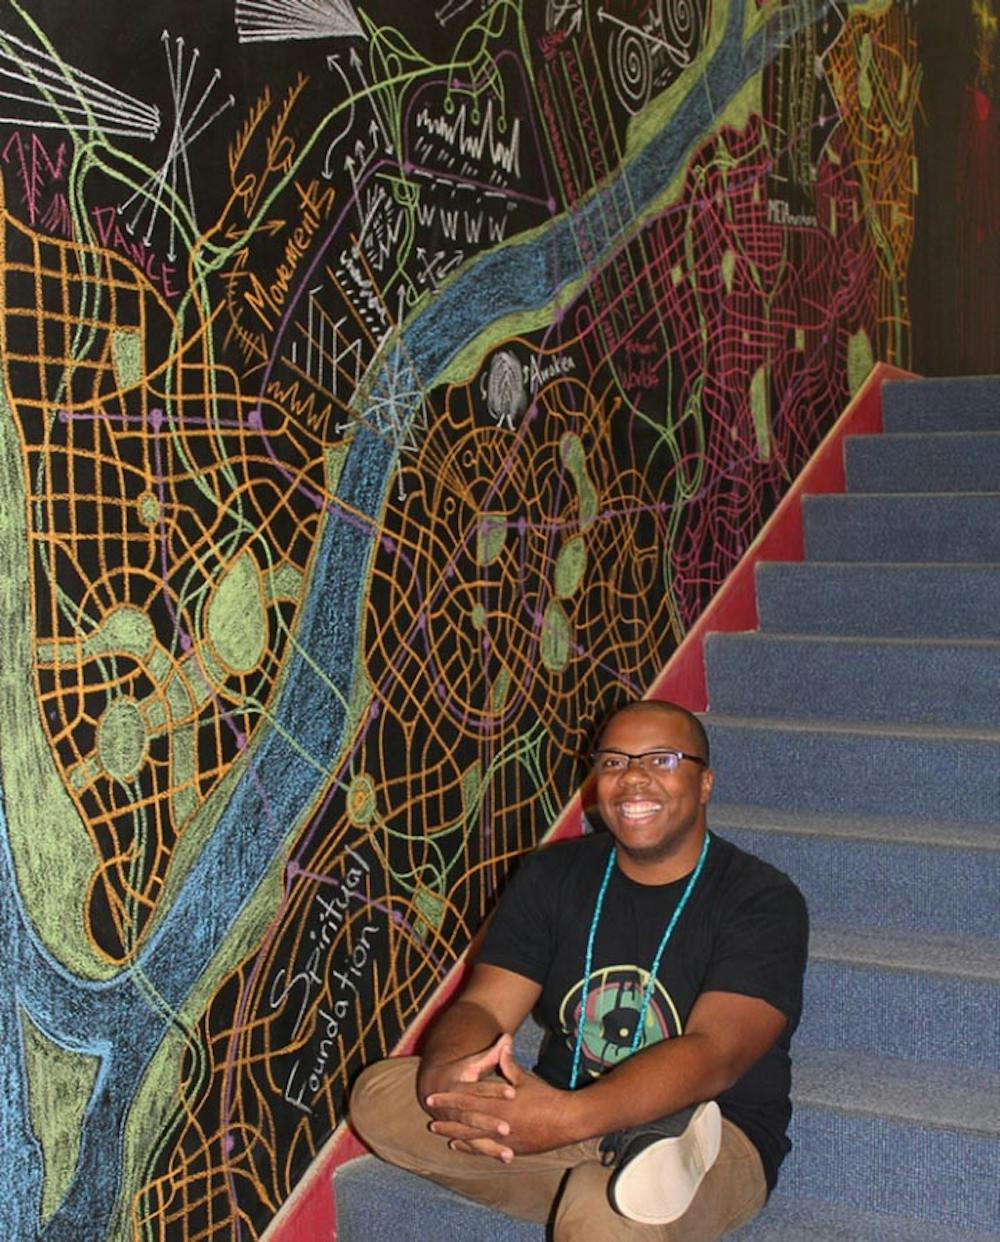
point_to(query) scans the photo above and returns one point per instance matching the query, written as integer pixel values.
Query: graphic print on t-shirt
(613, 1002)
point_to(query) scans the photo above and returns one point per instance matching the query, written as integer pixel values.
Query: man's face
(656, 817)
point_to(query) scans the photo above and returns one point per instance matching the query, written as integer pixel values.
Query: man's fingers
(484, 1061)
(491, 1089)
(482, 1147)
(466, 1124)
(509, 1066)
(459, 1130)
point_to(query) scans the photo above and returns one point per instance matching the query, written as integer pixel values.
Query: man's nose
(635, 769)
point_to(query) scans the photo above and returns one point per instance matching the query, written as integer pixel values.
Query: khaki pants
(567, 1186)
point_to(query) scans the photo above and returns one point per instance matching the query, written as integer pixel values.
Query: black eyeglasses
(660, 761)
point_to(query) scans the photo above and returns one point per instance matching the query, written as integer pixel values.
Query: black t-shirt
(744, 930)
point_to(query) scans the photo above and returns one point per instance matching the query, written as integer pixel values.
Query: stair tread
(839, 498)
(943, 1097)
(790, 724)
(941, 833)
(846, 641)
(788, 1219)
(950, 567)
(891, 436)
(967, 957)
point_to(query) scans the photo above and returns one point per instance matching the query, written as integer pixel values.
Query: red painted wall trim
(309, 1215)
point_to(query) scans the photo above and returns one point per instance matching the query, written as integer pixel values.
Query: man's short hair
(662, 705)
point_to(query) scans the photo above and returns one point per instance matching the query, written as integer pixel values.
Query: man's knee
(584, 1210)
(381, 1094)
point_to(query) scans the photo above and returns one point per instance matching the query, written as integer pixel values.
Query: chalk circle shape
(149, 509)
(236, 617)
(682, 22)
(125, 629)
(122, 741)
(631, 69)
(361, 802)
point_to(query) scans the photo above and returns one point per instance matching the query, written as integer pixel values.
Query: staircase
(856, 741)
(856, 744)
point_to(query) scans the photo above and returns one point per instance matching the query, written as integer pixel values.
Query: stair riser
(898, 1014)
(901, 887)
(804, 1220)
(377, 1202)
(883, 1165)
(922, 463)
(950, 686)
(802, 770)
(891, 602)
(967, 404)
(913, 529)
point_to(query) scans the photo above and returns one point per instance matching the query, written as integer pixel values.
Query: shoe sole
(657, 1186)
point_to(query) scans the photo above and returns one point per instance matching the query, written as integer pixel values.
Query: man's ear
(707, 781)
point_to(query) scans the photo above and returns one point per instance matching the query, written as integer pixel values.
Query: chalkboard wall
(386, 388)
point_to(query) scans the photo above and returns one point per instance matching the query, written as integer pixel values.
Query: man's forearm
(463, 1052)
(726, 1035)
(538, 1117)
(463, 1029)
(655, 1083)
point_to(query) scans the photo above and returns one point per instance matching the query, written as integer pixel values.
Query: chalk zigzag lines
(260, 21)
(58, 95)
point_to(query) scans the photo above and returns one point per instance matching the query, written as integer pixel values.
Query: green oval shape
(237, 620)
(728, 268)
(864, 75)
(361, 804)
(125, 628)
(121, 739)
(501, 688)
(490, 537)
(556, 637)
(759, 407)
(571, 565)
(574, 458)
(860, 359)
(149, 509)
(126, 357)
(431, 905)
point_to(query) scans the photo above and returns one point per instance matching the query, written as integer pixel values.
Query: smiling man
(666, 966)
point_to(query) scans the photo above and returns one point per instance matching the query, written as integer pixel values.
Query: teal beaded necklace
(647, 994)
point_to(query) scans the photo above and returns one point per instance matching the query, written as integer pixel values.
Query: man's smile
(637, 810)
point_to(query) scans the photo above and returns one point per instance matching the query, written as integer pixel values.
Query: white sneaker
(661, 1164)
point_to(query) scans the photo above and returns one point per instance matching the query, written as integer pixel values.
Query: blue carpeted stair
(856, 743)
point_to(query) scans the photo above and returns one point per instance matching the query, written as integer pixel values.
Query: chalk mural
(386, 388)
